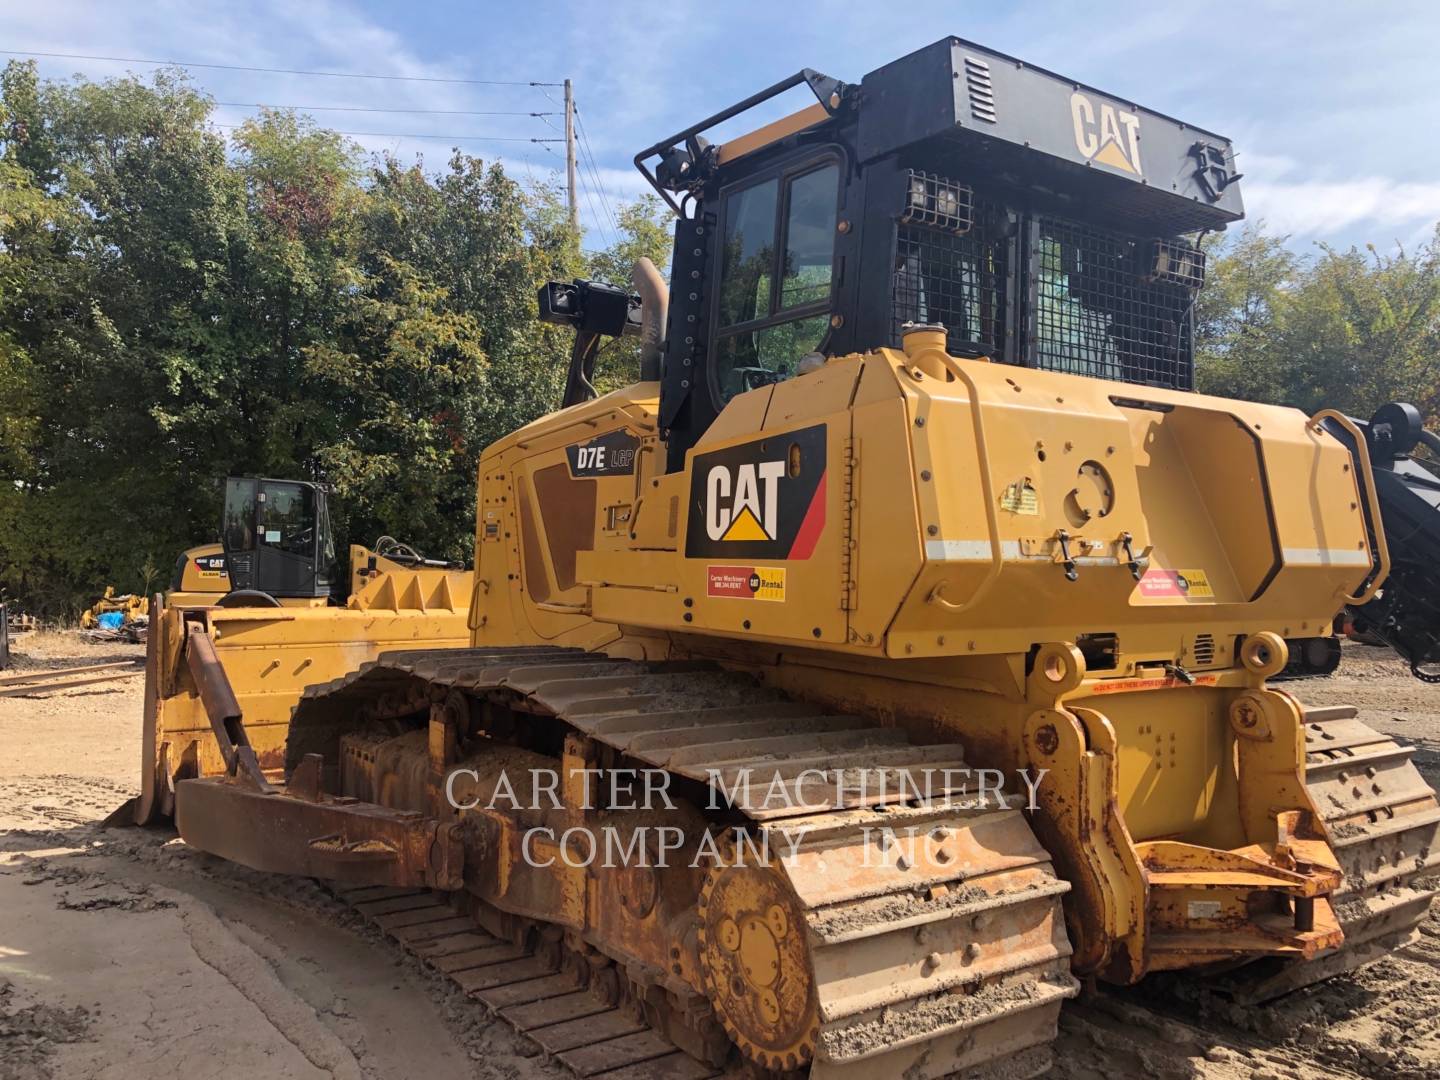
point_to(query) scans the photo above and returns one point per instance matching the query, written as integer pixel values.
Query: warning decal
(1020, 498)
(745, 582)
(1176, 584)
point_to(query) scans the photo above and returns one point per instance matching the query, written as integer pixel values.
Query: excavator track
(901, 935)
(1383, 821)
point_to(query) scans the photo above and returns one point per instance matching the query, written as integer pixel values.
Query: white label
(272, 536)
(1204, 909)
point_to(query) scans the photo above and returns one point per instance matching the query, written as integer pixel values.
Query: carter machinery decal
(1175, 584)
(760, 500)
(745, 582)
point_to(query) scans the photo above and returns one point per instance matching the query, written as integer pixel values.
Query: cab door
(285, 538)
(272, 533)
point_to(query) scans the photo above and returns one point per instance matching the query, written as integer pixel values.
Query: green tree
(109, 278)
(1347, 329)
(1236, 313)
(1361, 329)
(438, 351)
(171, 314)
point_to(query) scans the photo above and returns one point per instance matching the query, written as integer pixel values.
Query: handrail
(638, 498)
(560, 608)
(827, 92)
(1361, 453)
(992, 514)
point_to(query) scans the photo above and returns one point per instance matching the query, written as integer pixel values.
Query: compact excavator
(914, 514)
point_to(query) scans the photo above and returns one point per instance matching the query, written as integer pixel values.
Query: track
(930, 957)
(539, 995)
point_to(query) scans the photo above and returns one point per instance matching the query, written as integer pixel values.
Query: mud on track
(123, 952)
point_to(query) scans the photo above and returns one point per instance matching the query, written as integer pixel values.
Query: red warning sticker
(745, 582)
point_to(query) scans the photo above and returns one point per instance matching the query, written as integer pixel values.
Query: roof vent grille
(982, 90)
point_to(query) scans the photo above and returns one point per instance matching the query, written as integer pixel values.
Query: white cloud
(335, 35)
(1276, 192)
(316, 35)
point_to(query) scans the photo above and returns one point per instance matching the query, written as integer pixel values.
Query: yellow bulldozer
(895, 653)
(270, 604)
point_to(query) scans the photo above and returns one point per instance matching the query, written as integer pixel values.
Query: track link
(932, 949)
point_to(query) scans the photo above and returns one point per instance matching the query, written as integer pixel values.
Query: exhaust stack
(655, 300)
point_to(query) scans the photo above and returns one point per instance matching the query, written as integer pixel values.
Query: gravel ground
(125, 952)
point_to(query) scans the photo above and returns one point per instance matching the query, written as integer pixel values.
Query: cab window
(809, 239)
(239, 514)
(749, 254)
(775, 279)
(288, 518)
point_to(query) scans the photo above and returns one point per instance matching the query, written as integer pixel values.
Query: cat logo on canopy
(763, 499)
(1106, 133)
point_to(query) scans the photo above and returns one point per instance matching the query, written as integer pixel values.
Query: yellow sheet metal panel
(764, 532)
(204, 574)
(887, 553)
(1217, 502)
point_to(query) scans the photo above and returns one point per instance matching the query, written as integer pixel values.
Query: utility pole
(570, 155)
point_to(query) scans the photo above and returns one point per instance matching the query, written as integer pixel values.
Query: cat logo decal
(763, 499)
(1106, 133)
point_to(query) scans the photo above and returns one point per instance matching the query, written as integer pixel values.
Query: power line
(600, 221)
(613, 227)
(600, 189)
(416, 135)
(595, 173)
(278, 71)
(587, 157)
(366, 109)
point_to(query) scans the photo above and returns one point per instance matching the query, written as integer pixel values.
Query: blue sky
(1334, 107)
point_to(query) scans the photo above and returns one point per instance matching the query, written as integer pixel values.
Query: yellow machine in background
(269, 654)
(912, 501)
(200, 577)
(275, 620)
(122, 609)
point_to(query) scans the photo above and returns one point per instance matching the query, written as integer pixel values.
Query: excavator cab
(277, 539)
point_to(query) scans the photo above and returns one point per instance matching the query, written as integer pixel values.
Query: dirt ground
(123, 952)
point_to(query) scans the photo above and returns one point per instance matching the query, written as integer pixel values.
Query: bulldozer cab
(1040, 222)
(277, 538)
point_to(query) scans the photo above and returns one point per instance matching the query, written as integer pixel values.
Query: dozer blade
(268, 656)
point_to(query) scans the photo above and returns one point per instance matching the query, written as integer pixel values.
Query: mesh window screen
(1098, 310)
(956, 280)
